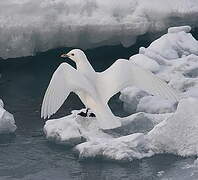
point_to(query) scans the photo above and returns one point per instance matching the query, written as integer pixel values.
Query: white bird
(96, 88)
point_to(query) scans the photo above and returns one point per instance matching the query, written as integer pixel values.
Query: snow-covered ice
(7, 122)
(124, 144)
(177, 134)
(171, 46)
(125, 148)
(145, 62)
(155, 105)
(141, 135)
(157, 125)
(131, 97)
(176, 55)
(27, 26)
(91, 142)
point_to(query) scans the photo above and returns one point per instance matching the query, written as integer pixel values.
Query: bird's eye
(72, 54)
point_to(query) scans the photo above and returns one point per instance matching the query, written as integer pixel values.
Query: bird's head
(75, 55)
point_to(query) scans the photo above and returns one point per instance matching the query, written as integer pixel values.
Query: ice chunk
(192, 92)
(125, 148)
(140, 122)
(183, 84)
(7, 123)
(178, 134)
(1, 103)
(63, 131)
(186, 29)
(171, 46)
(155, 105)
(131, 97)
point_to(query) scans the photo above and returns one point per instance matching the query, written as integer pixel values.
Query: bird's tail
(106, 118)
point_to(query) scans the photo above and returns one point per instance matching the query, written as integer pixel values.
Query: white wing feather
(124, 73)
(65, 79)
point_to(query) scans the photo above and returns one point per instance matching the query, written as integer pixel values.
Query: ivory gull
(96, 88)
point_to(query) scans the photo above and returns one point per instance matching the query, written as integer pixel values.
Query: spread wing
(65, 79)
(124, 73)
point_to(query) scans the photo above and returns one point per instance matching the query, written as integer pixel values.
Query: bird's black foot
(92, 115)
(82, 114)
(86, 113)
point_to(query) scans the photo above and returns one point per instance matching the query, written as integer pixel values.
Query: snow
(156, 125)
(28, 27)
(7, 123)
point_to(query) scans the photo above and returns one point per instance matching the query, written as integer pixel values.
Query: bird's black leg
(84, 114)
(91, 114)
(87, 111)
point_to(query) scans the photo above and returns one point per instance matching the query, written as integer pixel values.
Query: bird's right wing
(124, 73)
(65, 79)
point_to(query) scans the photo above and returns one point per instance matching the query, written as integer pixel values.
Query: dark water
(28, 156)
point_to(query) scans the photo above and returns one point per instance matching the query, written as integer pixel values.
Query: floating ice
(174, 133)
(30, 26)
(123, 143)
(7, 123)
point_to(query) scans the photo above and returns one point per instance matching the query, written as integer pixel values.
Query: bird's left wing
(65, 79)
(124, 73)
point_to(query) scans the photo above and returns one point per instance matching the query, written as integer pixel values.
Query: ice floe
(7, 122)
(28, 27)
(157, 125)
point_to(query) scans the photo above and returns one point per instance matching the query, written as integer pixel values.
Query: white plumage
(95, 89)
